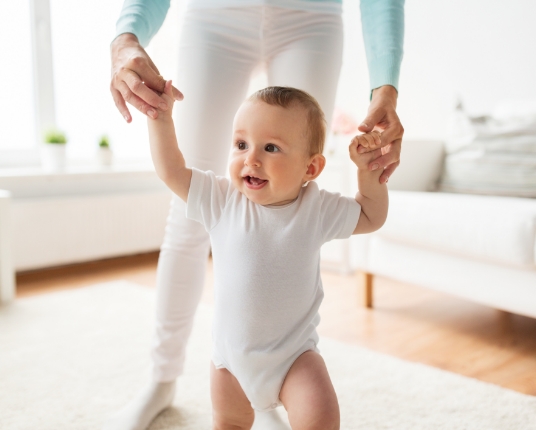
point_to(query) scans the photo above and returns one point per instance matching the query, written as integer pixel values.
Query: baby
(267, 223)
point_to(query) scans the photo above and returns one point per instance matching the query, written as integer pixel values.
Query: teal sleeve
(142, 18)
(383, 33)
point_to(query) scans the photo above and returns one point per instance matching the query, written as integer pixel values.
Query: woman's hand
(382, 117)
(135, 79)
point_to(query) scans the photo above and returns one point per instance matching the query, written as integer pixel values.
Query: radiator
(62, 230)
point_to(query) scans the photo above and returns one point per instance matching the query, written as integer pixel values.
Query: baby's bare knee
(231, 409)
(221, 422)
(330, 422)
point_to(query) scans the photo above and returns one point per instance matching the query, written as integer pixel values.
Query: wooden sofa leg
(367, 282)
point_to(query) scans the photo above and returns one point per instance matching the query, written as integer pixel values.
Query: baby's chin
(256, 197)
(270, 201)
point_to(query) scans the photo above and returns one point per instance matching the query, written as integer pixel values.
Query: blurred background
(479, 52)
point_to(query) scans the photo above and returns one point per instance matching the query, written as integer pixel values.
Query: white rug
(70, 359)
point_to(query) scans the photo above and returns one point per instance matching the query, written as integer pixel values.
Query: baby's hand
(167, 95)
(364, 148)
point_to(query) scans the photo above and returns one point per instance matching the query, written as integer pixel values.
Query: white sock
(140, 411)
(270, 420)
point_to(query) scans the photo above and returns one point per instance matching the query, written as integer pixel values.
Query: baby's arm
(167, 158)
(372, 196)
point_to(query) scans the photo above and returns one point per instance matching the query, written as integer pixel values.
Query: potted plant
(54, 150)
(104, 153)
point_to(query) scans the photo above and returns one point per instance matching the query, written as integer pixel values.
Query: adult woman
(299, 43)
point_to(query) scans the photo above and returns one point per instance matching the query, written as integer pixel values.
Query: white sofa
(7, 274)
(482, 248)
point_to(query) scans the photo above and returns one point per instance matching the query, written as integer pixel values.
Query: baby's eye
(271, 148)
(241, 145)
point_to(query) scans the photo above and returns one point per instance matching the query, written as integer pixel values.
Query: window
(81, 36)
(79, 57)
(17, 124)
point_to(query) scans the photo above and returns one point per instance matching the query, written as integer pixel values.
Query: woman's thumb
(369, 122)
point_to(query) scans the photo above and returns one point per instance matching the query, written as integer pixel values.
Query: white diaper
(260, 375)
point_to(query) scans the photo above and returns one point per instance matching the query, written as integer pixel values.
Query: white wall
(482, 51)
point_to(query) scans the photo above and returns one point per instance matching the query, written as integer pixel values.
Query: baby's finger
(167, 95)
(177, 95)
(373, 141)
(360, 145)
(376, 135)
(354, 145)
(369, 138)
(168, 88)
(364, 140)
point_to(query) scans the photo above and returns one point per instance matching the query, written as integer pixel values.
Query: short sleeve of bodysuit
(338, 215)
(207, 197)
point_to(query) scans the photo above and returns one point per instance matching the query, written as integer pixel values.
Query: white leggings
(219, 51)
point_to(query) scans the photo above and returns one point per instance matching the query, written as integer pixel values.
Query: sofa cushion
(487, 228)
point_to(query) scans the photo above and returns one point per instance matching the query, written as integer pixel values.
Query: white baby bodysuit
(267, 284)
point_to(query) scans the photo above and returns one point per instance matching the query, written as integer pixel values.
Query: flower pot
(53, 156)
(105, 156)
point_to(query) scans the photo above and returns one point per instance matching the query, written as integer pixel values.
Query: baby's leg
(308, 395)
(231, 408)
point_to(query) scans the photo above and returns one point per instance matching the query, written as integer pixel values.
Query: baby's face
(270, 156)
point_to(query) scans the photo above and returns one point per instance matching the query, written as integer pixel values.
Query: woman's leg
(214, 72)
(304, 50)
(216, 61)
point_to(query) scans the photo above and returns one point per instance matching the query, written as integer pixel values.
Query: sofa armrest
(7, 275)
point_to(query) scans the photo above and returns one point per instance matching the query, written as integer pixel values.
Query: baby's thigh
(231, 408)
(308, 395)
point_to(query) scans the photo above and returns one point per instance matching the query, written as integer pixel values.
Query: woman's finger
(373, 118)
(392, 133)
(134, 100)
(393, 156)
(120, 104)
(388, 171)
(150, 76)
(137, 86)
(377, 153)
(154, 80)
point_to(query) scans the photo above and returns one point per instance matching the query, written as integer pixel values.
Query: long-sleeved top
(382, 23)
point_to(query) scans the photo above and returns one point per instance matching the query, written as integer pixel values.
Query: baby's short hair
(286, 97)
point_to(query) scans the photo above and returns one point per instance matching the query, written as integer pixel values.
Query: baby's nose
(252, 160)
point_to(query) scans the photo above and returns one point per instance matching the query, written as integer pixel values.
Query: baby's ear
(315, 167)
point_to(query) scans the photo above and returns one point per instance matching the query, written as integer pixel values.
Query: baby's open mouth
(253, 182)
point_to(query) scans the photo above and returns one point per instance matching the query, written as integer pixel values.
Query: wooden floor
(409, 322)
